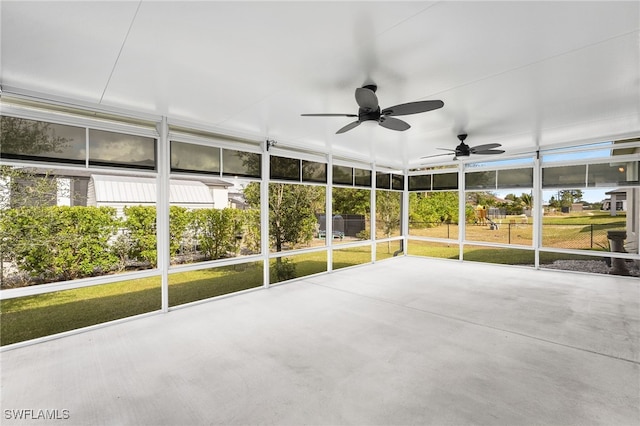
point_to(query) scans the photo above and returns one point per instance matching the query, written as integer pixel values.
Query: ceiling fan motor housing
(462, 150)
(364, 114)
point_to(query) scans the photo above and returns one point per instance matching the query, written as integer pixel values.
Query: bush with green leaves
(251, 235)
(60, 242)
(219, 231)
(284, 269)
(434, 207)
(140, 229)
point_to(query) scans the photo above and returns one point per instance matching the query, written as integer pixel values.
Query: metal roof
(126, 189)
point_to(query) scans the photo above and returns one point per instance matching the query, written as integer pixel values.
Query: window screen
(24, 139)
(362, 177)
(342, 175)
(445, 181)
(314, 172)
(480, 180)
(285, 168)
(515, 178)
(397, 182)
(564, 177)
(121, 150)
(420, 183)
(194, 158)
(240, 163)
(383, 180)
(612, 174)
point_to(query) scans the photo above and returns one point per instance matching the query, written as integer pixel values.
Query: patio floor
(403, 341)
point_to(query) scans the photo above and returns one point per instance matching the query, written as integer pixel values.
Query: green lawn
(30, 317)
(582, 231)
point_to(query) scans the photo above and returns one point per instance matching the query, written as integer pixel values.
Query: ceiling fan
(464, 150)
(370, 110)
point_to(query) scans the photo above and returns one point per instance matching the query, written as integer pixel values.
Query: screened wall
(570, 208)
(104, 218)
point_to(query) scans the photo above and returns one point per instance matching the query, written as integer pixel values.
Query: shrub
(218, 231)
(251, 239)
(179, 221)
(363, 235)
(140, 224)
(60, 242)
(284, 269)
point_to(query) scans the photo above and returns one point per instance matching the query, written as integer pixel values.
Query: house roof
(124, 189)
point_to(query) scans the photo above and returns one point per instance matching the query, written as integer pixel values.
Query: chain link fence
(588, 236)
(569, 236)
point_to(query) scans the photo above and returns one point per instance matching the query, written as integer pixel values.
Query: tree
(21, 188)
(483, 198)
(351, 201)
(388, 210)
(434, 207)
(25, 187)
(570, 196)
(527, 201)
(292, 219)
(565, 198)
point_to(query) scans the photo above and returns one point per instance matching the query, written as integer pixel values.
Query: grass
(30, 317)
(582, 231)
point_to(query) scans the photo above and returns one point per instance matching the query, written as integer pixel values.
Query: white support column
(405, 214)
(614, 208)
(162, 209)
(264, 214)
(462, 203)
(328, 236)
(372, 209)
(537, 209)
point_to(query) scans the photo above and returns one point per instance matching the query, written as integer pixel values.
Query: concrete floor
(406, 341)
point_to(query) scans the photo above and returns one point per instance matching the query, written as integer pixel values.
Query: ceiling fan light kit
(369, 110)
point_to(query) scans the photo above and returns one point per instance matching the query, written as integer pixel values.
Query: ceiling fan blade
(329, 115)
(484, 147)
(394, 124)
(349, 126)
(488, 152)
(366, 99)
(437, 155)
(412, 108)
(446, 149)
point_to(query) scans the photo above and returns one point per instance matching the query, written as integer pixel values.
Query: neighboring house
(627, 200)
(121, 191)
(237, 201)
(618, 199)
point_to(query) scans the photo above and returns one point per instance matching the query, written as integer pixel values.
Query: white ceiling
(522, 74)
